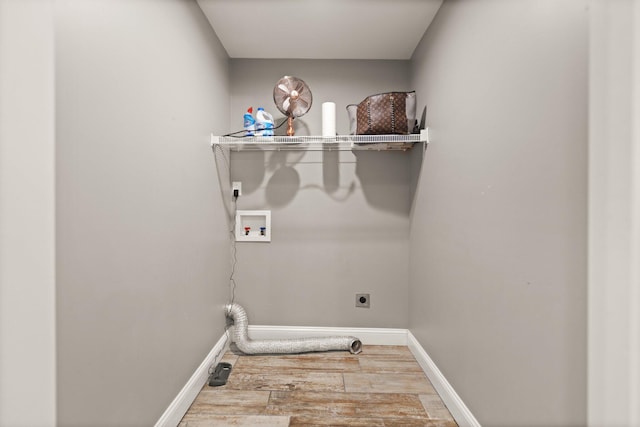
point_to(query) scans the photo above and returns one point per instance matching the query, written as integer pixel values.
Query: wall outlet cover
(236, 185)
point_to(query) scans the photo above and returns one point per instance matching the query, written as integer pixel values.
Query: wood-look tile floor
(382, 386)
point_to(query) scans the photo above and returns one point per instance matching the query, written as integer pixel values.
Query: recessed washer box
(253, 226)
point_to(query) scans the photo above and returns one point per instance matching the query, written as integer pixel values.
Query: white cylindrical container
(328, 119)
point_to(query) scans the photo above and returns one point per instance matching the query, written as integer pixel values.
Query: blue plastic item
(249, 122)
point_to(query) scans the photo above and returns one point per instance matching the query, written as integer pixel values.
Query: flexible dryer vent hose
(285, 346)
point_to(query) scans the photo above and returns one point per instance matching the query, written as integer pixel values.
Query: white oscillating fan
(293, 98)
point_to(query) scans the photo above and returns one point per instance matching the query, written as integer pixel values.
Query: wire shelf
(339, 142)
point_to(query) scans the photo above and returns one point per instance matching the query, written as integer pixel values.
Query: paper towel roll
(328, 119)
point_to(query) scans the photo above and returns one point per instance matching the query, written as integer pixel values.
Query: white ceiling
(320, 29)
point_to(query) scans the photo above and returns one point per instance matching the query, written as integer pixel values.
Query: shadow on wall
(331, 177)
(284, 183)
(283, 180)
(386, 179)
(416, 161)
(222, 159)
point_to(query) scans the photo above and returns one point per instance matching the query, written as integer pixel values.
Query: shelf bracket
(424, 135)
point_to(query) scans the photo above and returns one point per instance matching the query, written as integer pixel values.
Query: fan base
(290, 131)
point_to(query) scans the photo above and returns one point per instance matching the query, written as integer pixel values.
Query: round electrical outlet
(363, 300)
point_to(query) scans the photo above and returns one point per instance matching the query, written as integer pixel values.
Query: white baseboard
(368, 336)
(180, 405)
(456, 406)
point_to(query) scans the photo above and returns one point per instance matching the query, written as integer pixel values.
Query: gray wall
(340, 220)
(485, 262)
(142, 247)
(498, 230)
(341, 81)
(614, 219)
(27, 229)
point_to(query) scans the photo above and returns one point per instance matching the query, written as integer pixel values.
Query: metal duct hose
(285, 346)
